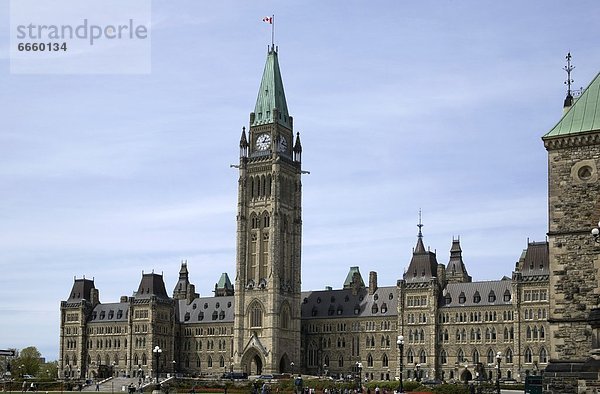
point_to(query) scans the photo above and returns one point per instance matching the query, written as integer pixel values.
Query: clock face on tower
(263, 141)
(282, 145)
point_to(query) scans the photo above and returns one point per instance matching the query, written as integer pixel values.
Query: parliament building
(264, 323)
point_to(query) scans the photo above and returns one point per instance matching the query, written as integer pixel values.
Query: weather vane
(568, 68)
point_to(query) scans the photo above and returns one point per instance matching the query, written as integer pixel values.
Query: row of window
(214, 316)
(535, 295)
(72, 317)
(475, 335)
(413, 318)
(71, 330)
(100, 330)
(198, 361)
(210, 345)
(416, 301)
(111, 314)
(189, 332)
(491, 298)
(113, 343)
(535, 333)
(491, 356)
(532, 314)
(385, 342)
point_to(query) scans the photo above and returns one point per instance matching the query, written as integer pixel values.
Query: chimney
(372, 282)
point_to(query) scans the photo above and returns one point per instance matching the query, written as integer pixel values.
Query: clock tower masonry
(269, 230)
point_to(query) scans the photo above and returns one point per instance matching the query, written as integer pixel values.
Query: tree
(49, 370)
(28, 362)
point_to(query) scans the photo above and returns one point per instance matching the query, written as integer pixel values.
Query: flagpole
(273, 31)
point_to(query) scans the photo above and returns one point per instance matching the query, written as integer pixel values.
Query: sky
(402, 106)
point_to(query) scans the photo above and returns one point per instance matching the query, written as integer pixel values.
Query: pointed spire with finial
(420, 248)
(568, 68)
(271, 105)
(243, 144)
(297, 149)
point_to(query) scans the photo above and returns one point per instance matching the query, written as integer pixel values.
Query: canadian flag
(268, 19)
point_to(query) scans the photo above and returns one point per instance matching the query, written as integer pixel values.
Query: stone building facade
(453, 327)
(573, 147)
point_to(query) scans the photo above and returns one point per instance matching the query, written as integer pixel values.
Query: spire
(568, 68)
(271, 105)
(243, 140)
(456, 270)
(420, 248)
(423, 265)
(243, 144)
(298, 149)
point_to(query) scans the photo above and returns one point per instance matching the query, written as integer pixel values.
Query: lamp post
(359, 369)
(400, 343)
(174, 367)
(596, 233)
(292, 367)
(498, 361)
(157, 351)
(417, 372)
(325, 369)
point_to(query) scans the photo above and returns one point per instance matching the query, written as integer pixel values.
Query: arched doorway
(252, 363)
(466, 376)
(284, 364)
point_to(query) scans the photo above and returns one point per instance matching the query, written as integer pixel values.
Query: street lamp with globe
(596, 233)
(359, 369)
(400, 343)
(498, 361)
(157, 351)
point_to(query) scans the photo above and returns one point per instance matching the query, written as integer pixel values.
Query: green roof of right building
(584, 114)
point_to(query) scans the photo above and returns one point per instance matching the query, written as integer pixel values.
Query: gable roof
(583, 116)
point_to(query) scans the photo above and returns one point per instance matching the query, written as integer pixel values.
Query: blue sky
(401, 106)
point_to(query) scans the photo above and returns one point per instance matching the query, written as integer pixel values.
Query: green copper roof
(271, 95)
(583, 116)
(350, 276)
(224, 282)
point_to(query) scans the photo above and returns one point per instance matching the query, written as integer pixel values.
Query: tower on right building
(573, 147)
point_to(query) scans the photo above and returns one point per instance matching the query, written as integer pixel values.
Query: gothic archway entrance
(466, 376)
(252, 362)
(284, 364)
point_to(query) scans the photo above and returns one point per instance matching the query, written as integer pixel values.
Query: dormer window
(215, 315)
(200, 316)
(492, 296)
(111, 314)
(374, 308)
(448, 299)
(314, 311)
(477, 297)
(356, 309)
(384, 308)
(187, 316)
(221, 315)
(462, 298)
(102, 315)
(507, 296)
(119, 314)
